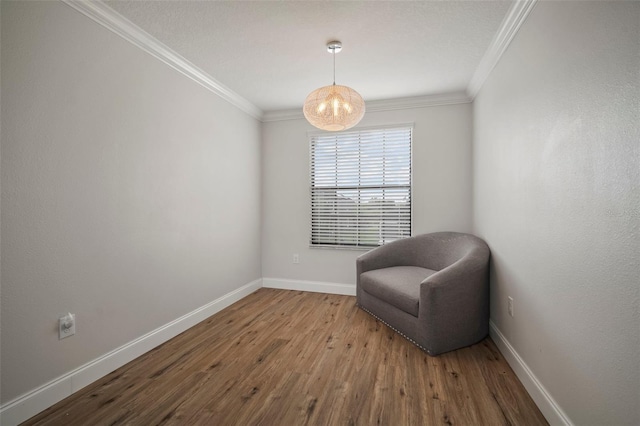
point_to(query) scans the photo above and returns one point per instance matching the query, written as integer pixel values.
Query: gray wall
(441, 189)
(130, 194)
(557, 195)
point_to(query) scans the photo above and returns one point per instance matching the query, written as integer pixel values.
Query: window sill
(332, 247)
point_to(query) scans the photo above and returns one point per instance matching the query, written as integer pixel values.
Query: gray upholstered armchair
(432, 288)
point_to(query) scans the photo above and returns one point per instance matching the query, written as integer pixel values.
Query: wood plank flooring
(281, 357)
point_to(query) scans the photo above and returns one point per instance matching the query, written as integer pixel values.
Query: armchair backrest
(439, 250)
(434, 251)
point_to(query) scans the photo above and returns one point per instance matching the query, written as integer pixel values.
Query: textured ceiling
(274, 54)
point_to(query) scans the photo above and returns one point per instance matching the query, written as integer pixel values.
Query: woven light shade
(334, 108)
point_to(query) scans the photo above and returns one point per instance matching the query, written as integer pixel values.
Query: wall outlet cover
(66, 326)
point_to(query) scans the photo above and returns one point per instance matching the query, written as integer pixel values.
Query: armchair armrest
(454, 302)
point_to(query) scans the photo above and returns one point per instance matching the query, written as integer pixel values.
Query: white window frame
(317, 240)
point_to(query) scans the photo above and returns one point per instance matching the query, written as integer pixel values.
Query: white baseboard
(32, 403)
(314, 286)
(549, 407)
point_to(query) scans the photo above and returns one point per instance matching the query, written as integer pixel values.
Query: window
(360, 187)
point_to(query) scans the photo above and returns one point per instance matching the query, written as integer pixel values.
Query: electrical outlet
(66, 326)
(296, 258)
(510, 306)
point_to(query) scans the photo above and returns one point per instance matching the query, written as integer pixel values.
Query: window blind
(360, 187)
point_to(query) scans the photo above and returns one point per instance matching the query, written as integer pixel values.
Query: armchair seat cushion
(397, 285)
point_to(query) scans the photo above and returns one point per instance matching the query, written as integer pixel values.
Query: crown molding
(381, 105)
(514, 19)
(418, 102)
(118, 24)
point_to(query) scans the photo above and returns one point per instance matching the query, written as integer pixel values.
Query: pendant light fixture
(334, 107)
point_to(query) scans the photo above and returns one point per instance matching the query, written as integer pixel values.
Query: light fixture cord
(334, 66)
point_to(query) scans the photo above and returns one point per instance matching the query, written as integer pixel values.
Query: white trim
(549, 407)
(283, 115)
(514, 19)
(118, 24)
(381, 105)
(418, 102)
(314, 286)
(37, 400)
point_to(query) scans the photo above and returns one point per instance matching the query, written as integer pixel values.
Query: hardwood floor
(281, 357)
